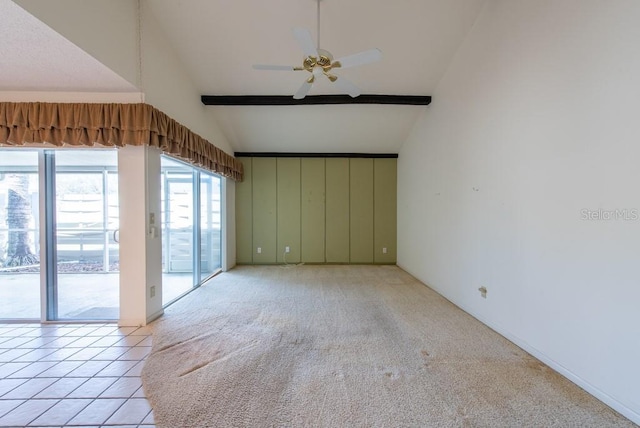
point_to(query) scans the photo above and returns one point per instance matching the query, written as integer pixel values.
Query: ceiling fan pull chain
(318, 14)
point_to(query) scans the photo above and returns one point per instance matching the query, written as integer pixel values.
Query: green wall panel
(313, 209)
(384, 210)
(244, 216)
(361, 210)
(327, 210)
(288, 181)
(264, 209)
(337, 210)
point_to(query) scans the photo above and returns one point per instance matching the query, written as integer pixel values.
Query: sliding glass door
(177, 236)
(210, 230)
(19, 235)
(59, 233)
(86, 224)
(71, 197)
(190, 227)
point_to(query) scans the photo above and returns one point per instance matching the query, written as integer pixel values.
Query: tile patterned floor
(73, 375)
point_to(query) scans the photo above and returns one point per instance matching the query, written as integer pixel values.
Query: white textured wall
(69, 97)
(536, 120)
(105, 30)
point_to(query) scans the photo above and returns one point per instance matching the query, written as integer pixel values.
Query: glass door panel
(112, 256)
(177, 229)
(86, 234)
(19, 235)
(210, 233)
(191, 227)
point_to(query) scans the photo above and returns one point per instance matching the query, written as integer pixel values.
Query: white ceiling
(219, 40)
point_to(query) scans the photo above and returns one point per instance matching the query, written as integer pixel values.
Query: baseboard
(607, 399)
(130, 323)
(590, 388)
(154, 316)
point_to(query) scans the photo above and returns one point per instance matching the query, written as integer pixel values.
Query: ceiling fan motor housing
(324, 60)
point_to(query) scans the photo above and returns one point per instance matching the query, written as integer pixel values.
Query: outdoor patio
(81, 296)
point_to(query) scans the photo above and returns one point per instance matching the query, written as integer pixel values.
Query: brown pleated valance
(110, 125)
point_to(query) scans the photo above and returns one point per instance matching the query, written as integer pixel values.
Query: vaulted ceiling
(33, 57)
(219, 40)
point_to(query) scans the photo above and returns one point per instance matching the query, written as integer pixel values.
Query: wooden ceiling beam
(288, 100)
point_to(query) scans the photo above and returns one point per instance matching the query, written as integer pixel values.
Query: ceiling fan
(320, 62)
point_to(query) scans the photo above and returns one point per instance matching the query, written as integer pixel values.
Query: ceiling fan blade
(304, 90)
(273, 67)
(303, 36)
(346, 87)
(361, 58)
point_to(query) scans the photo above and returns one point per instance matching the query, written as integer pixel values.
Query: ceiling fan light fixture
(319, 62)
(317, 71)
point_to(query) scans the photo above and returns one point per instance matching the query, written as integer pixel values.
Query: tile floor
(73, 375)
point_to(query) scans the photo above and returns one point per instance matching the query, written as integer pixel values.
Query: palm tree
(19, 251)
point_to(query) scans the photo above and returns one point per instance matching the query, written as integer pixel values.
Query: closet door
(361, 211)
(337, 210)
(313, 206)
(264, 210)
(244, 215)
(288, 210)
(384, 210)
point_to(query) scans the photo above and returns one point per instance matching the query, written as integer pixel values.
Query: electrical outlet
(384, 250)
(483, 292)
(287, 249)
(152, 291)
(259, 250)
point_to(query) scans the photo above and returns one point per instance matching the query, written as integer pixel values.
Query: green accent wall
(288, 201)
(265, 197)
(384, 210)
(244, 215)
(337, 210)
(327, 210)
(361, 210)
(313, 211)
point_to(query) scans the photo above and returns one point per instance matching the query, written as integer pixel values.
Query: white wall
(140, 247)
(168, 87)
(536, 120)
(106, 30)
(69, 97)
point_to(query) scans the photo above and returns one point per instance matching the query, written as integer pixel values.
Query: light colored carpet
(342, 346)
